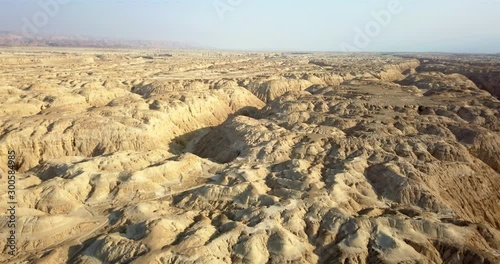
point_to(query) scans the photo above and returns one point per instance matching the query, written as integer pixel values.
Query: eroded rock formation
(248, 158)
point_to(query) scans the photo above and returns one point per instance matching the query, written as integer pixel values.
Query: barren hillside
(214, 157)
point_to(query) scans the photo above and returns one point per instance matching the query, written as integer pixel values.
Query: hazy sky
(317, 25)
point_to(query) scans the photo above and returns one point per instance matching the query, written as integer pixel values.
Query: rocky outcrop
(121, 122)
(482, 70)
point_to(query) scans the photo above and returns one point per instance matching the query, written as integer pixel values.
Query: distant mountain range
(13, 39)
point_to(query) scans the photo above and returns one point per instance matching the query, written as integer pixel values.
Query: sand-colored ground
(219, 157)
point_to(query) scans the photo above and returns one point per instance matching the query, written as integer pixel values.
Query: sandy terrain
(210, 157)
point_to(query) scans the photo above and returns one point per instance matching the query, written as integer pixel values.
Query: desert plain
(152, 156)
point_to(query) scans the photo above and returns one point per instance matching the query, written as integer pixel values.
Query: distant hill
(12, 39)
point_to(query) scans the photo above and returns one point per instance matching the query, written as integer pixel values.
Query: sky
(471, 26)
